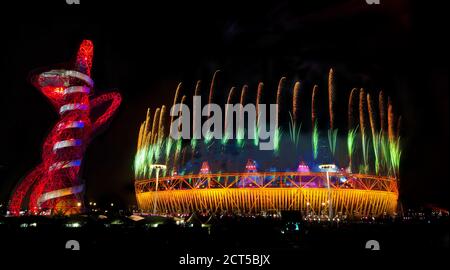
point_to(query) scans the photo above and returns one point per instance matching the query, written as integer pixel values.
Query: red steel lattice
(54, 184)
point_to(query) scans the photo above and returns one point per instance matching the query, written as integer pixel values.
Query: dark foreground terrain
(166, 239)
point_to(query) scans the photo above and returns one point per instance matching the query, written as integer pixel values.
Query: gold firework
(155, 124)
(175, 99)
(295, 101)
(258, 99)
(382, 110)
(314, 105)
(331, 95)
(161, 123)
(391, 121)
(351, 98)
(362, 121)
(279, 95)
(371, 114)
(212, 88)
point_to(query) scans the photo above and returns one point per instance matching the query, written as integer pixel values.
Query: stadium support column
(330, 205)
(158, 167)
(327, 168)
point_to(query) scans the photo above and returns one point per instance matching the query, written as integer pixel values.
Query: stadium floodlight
(329, 168)
(158, 167)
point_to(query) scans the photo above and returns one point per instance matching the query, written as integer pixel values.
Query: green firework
(376, 142)
(315, 140)
(395, 154)
(332, 138)
(277, 140)
(351, 144)
(194, 144)
(168, 145)
(294, 131)
(365, 152)
(208, 137)
(385, 154)
(240, 137)
(139, 163)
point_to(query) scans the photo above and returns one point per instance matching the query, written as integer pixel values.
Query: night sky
(144, 51)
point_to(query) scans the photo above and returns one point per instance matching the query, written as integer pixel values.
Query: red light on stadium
(251, 166)
(302, 167)
(205, 168)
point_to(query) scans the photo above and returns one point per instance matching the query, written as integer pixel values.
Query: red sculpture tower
(54, 185)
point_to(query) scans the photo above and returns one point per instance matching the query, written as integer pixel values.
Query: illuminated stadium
(325, 164)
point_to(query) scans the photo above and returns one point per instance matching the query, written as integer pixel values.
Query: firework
(384, 143)
(241, 130)
(258, 99)
(294, 130)
(194, 126)
(382, 110)
(385, 155)
(183, 99)
(314, 105)
(138, 160)
(332, 132)
(371, 114)
(395, 155)
(350, 108)
(331, 96)
(230, 96)
(375, 137)
(242, 101)
(159, 135)
(147, 122)
(141, 131)
(169, 141)
(186, 170)
(314, 121)
(179, 140)
(399, 125)
(175, 100)
(362, 121)
(161, 123)
(277, 140)
(229, 101)
(351, 136)
(332, 139)
(279, 96)
(391, 121)
(394, 140)
(197, 91)
(294, 127)
(256, 125)
(212, 89)
(155, 124)
(209, 134)
(351, 132)
(256, 135)
(315, 140)
(154, 139)
(178, 147)
(296, 102)
(362, 125)
(142, 146)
